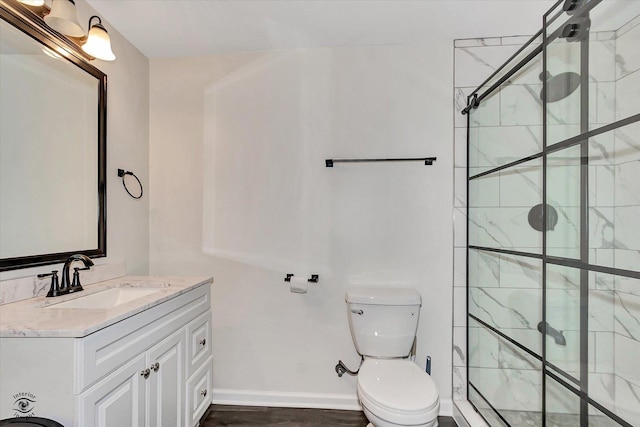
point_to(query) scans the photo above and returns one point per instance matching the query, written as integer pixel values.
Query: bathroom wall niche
(52, 145)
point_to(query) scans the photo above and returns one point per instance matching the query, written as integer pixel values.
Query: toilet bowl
(29, 422)
(396, 392)
(392, 389)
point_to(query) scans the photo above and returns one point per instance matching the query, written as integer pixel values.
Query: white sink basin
(109, 298)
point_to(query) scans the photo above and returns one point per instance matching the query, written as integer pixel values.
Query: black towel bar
(428, 161)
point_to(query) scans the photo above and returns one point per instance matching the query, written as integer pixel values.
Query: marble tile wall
(496, 365)
(475, 60)
(626, 216)
(505, 286)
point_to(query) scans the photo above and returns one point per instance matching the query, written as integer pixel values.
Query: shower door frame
(580, 386)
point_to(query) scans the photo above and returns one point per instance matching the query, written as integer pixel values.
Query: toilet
(392, 389)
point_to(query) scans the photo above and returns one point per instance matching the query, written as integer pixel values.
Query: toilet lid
(398, 384)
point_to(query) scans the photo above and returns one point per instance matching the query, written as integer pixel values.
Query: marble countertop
(39, 317)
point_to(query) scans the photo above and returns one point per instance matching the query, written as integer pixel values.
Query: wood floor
(249, 416)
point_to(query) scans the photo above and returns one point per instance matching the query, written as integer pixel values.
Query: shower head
(559, 86)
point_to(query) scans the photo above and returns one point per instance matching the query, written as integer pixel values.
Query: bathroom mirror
(52, 145)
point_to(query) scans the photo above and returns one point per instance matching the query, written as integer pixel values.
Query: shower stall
(553, 225)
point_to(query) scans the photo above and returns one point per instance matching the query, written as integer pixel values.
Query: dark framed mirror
(52, 144)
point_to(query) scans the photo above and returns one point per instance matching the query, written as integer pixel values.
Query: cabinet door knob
(145, 373)
(203, 393)
(155, 367)
(203, 341)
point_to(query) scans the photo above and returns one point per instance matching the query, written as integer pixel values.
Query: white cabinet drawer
(105, 350)
(199, 388)
(198, 342)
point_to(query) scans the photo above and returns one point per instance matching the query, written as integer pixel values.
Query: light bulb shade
(64, 18)
(32, 2)
(98, 43)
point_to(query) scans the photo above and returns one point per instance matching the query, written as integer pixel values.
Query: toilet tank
(383, 321)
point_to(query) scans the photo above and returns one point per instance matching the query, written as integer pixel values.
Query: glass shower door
(592, 182)
(504, 255)
(554, 225)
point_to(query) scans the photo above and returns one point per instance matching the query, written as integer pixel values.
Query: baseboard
(346, 402)
(286, 399)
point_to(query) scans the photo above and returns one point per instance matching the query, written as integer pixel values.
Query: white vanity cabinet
(151, 369)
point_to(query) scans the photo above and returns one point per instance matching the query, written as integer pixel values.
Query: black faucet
(54, 291)
(558, 336)
(66, 287)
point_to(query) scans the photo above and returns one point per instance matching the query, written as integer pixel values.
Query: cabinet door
(166, 381)
(116, 401)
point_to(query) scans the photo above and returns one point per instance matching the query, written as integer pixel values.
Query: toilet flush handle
(356, 311)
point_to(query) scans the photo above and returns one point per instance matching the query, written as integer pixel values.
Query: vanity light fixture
(32, 2)
(98, 43)
(64, 18)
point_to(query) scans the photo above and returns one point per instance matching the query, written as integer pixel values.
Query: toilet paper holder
(313, 279)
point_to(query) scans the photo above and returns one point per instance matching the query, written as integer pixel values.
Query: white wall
(239, 191)
(127, 148)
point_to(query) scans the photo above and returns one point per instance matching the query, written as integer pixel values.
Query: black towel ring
(121, 174)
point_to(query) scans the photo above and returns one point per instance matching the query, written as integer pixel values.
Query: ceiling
(175, 28)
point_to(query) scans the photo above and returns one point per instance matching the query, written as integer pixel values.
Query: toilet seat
(398, 391)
